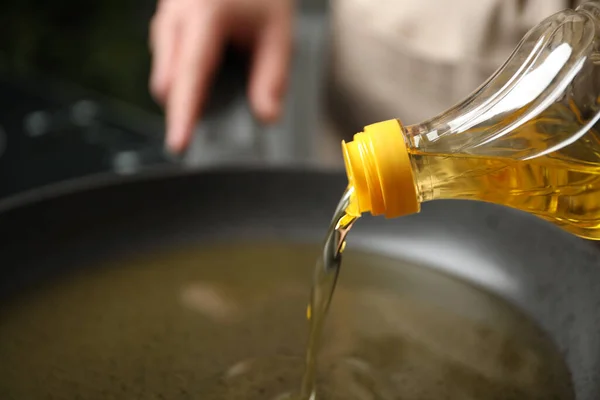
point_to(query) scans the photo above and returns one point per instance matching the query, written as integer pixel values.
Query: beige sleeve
(415, 58)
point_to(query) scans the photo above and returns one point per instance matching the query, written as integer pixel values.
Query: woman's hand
(187, 38)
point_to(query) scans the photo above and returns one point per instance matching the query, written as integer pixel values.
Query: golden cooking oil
(564, 192)
(325, 277)
(225, 321)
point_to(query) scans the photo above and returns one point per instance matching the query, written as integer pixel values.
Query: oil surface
(228, 322)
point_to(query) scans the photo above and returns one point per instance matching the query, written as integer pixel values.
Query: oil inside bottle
(562, 187)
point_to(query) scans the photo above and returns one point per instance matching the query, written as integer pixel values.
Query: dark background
(100, 45)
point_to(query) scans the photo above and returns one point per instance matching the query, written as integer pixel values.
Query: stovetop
(50, 134)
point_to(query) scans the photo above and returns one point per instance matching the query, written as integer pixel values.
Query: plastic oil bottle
(528, 138)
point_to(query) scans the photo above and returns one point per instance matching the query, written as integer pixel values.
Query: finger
(201, 42)
(163, 60)
(271, 66)
(163, 42)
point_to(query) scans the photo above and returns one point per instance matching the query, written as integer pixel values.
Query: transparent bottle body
(529, 137)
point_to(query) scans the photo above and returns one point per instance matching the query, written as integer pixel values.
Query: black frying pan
(552, 276)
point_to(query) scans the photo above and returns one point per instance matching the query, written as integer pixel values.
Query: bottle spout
(379, 169)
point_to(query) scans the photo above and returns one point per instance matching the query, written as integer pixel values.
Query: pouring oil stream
(325, 277)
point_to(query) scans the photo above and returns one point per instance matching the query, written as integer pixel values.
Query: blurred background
(74, 99)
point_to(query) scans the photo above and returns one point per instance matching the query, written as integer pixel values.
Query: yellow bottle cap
(379, 168)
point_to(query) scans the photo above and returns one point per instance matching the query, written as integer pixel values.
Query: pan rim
(109, 179)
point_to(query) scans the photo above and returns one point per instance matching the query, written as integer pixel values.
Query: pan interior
(227, 321)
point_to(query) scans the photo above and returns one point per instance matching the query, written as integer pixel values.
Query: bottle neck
(379, 169)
